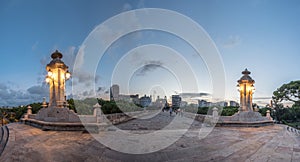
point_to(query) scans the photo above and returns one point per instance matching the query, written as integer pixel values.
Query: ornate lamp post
(56, 78)
(246, 88)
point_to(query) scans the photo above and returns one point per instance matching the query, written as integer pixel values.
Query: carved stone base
(245, 119)
(57, 115)
(248, 116)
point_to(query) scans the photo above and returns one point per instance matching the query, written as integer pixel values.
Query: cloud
(193, 95)
(85, 78)
(3, 86)
(101, 89)
(109, 32)
(262, 98)
(126, 7)
(44, 61)
(79, 58)
(149, 66)
(11, 96)
(141, 4)
(38, 90)
(232, 41)
(69, 56)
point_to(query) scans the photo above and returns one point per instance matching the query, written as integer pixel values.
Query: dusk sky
(261, 35)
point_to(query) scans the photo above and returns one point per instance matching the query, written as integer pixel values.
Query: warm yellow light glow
(252, 88)
(50, 73)
(47, 80)
(62, 76)
(68, 75)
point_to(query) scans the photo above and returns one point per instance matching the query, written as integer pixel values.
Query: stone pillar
(246, 89)
(29, 110)
(215, 114)
(44, 104)
(97, 113)
(57, 75)
(66, 104)
(268, 115)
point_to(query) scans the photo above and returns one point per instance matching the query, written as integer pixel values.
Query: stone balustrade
(4, 133)
(293, 130)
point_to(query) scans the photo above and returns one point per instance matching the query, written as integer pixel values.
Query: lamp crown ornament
(56, 54)
(246, 72)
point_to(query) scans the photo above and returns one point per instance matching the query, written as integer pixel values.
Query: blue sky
(262, 35)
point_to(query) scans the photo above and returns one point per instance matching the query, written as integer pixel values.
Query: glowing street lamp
(246, 88)
(56, 77)
(68, 75)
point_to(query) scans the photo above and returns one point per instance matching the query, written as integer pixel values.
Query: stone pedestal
(246, 116)
(57, 115)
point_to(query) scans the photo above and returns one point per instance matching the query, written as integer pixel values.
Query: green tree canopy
(288, 92)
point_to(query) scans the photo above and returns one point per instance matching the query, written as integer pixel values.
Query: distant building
(123, 97)
(159, 102)
(203, 103)
(183, 104)
(145, 101)
(234, 103)
(176, 100)
(135, 99)
(221, 103)
(114, 92)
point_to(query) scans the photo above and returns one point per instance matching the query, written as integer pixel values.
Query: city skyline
(262, 36)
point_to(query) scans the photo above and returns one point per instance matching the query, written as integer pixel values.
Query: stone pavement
(269, 143)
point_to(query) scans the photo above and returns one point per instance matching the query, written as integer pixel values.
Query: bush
(229, 111)
(202, 110)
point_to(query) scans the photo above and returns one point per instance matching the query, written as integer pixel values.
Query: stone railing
(115, 118)
(4, 132)
(198, 117)
(293, 130)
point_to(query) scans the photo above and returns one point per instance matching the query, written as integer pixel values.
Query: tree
(288, 92)
(71, 104)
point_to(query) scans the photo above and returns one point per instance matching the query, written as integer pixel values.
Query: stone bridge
(268, 143)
